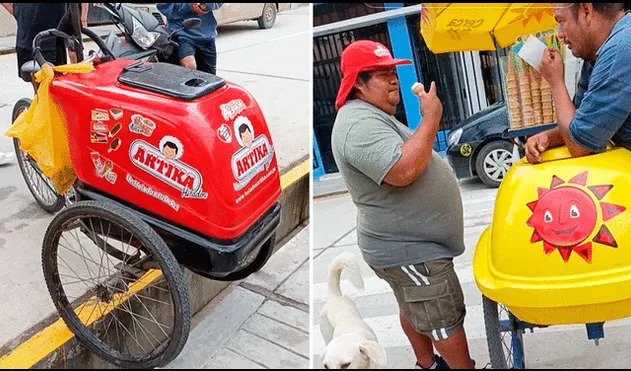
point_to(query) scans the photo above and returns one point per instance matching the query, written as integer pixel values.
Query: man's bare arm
(415, 155)
(417, 151)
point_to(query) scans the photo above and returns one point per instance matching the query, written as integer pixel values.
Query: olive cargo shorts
(429, 296)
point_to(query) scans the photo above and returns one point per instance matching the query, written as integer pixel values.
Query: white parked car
(263, 13)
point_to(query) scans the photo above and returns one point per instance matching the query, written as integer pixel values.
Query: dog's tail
(348, 262)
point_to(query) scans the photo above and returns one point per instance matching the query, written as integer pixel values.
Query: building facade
(466, 82)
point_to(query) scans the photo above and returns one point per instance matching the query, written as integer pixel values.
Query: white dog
(350, 342)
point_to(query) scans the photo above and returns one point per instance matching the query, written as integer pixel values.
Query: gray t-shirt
(396, 226)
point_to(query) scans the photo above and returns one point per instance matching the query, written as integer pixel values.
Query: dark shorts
(25, 55)
(205, 53)
(429, 296)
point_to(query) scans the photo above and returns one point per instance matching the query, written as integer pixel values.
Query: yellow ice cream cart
(558, 251)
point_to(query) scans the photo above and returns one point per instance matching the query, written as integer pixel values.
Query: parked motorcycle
(144, 38)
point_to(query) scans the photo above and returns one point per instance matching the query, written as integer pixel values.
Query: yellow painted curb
(293, 175)
(53, 337)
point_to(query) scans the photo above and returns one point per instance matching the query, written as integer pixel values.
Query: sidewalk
(261, 322)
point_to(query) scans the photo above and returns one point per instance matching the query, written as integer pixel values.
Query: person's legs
(455, 350)
(421, 344)
(446, 311)
(23, 56)
(72, 55)
(432, 311)
(186, 53)
(207, 60)
(50, 56)
(70, 24)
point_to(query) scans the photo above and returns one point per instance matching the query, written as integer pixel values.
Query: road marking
(266, 75)
(53, 337)
(375, 285)
(266, 41)
(390, 334)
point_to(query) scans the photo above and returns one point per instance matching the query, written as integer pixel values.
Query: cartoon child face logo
(244, 130)
(171, 148)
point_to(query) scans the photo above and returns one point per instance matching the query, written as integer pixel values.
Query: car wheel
(268, 18)
(493, 162)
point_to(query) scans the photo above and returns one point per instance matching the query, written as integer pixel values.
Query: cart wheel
(504, 339)
(40, 186)
(133, 313)
(259, 262)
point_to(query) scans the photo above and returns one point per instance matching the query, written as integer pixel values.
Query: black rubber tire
(483, 153)
(162, 256)
(60, 202)
(261, 259)
(264, 22)
(494, 335)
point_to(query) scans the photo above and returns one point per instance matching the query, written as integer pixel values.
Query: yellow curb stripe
(53, 337)
(293, 175)
(56, 335)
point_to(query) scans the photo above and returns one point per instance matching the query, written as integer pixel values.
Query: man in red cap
(410, 219)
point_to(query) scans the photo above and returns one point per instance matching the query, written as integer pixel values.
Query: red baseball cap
(362, 55)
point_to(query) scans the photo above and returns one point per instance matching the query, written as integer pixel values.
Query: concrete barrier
(51, 344)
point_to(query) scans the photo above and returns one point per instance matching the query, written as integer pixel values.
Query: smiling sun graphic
(567, 214)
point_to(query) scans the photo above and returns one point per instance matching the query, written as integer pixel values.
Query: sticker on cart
(116, 113)
(99, 126)
(244, 131)
(98, 137)
(231, 109)
(115, 145)
(111, 177)
(141, 125)
(171, 147)
(164, 164)
(151, 192)
(100, 115)
(103, 167)
(224, 134)
(565, 215)
(255, 155)
(114, 130)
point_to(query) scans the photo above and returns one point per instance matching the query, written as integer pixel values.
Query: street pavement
(262, 321)
(274, 65)
(334, 222)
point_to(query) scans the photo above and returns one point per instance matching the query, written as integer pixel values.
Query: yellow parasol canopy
(454, 27)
